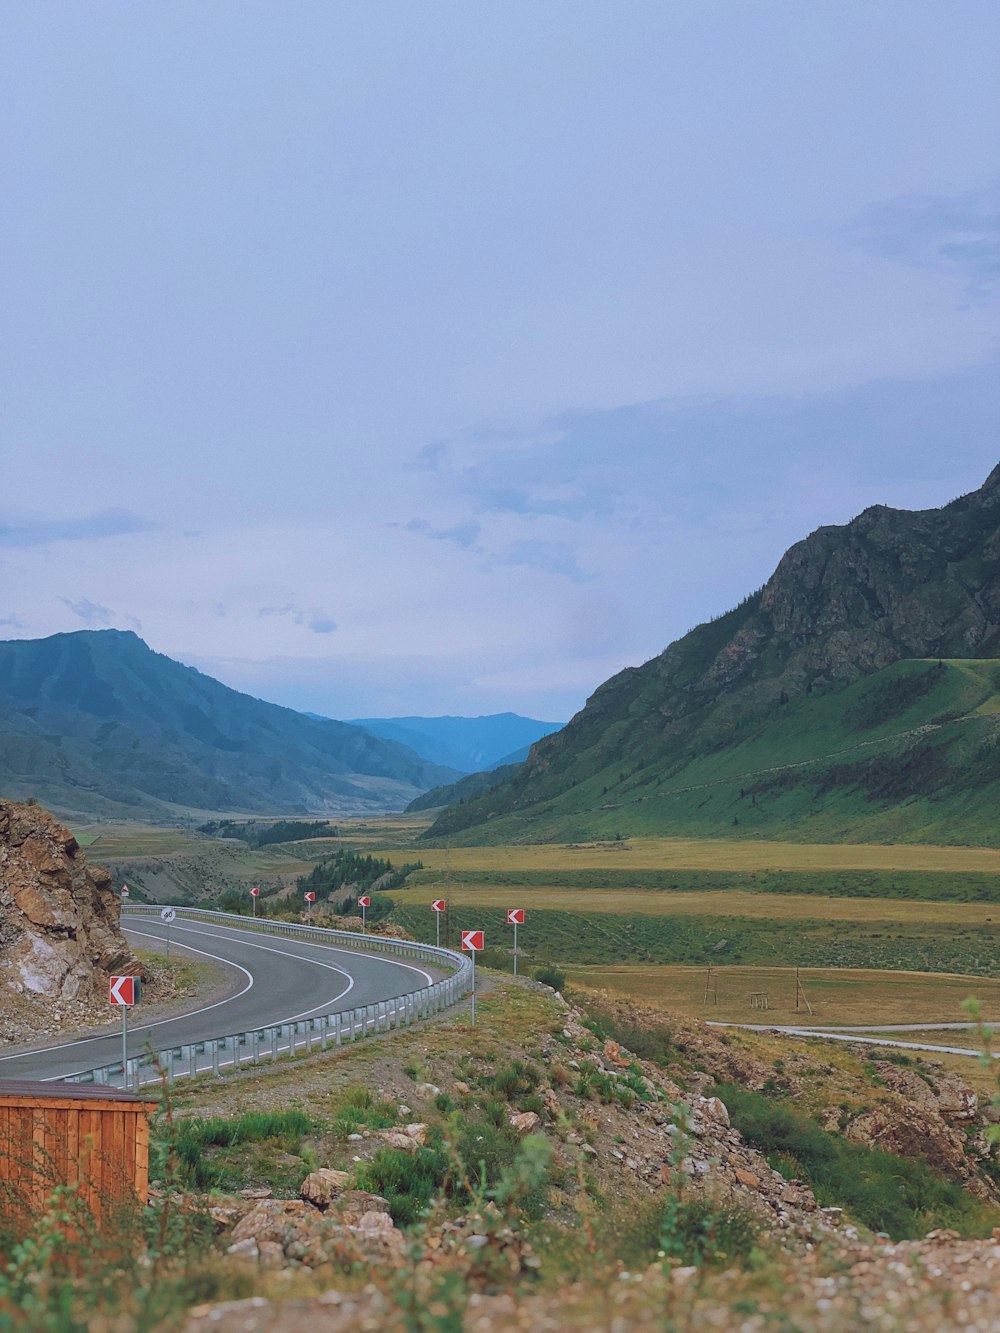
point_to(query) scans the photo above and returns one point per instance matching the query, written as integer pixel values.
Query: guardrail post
(274, 1043)
(338, 1034)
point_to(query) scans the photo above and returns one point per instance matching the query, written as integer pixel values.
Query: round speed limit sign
(168, 914)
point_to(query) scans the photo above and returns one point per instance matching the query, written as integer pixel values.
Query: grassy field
(842, 996)
(733, 902)
(638, 855)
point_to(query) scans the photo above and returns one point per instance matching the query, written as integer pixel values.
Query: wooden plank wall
(102, 1145)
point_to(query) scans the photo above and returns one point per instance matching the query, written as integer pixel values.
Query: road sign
(474, 941)
(515, 917)
(123, 990)
(437, 907)
(168, 914)
(254, 893)
(124, 890)
(365, 901)
(310, 897)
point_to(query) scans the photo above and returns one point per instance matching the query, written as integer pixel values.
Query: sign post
(310, 899)
(166, 916)
(472, 942)
(364, 902)
(254, 894)
(437, 907)
(124, 894)
(124, 991)
(515, 918)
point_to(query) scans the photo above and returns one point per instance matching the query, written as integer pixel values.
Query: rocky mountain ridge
(842, 604)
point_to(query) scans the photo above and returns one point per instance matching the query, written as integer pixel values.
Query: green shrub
(409, 1181)
(515, 1079)
(551, 976)
(358, 1110)
(703, 1231)
(899, 1195)
(189, 1140)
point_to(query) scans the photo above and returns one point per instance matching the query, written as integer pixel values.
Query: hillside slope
(95, 722)
(770, 684)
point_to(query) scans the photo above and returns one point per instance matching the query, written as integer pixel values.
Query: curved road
(275, 979)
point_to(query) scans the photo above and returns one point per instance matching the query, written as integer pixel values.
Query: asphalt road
(274, 979)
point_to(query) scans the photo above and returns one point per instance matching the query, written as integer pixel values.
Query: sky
(432, 356)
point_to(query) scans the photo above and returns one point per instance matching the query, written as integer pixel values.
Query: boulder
(322, 1186)
(60, 930)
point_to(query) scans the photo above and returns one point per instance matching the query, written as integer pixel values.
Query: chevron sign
(473, 940)
(438, 905)
(123, 990)
(515, 917)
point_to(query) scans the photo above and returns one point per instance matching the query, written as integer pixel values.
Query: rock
(353, 1204)
(271, 1219)
(60, 931)
(428, 1090)
(525, 1122)
(271, 1254)
(613, 1054)
(261, 1193)
(320, 1187)
(711, 1108)
(244, 1249)
(418, 1132)
(747, 1178)
(398, 1139)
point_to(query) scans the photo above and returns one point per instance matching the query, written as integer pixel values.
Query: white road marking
(44, 1050)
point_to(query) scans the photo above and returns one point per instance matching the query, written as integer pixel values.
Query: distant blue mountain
(470, 744)
(95, 722)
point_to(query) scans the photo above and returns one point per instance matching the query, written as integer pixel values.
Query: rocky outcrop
(60, 934)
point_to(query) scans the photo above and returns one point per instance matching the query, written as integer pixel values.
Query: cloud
(13, 622)
(462, 534)
(318, 621)
(432, 457)
(552, 557)
(91, 613)
(960, 233)
(94, 527)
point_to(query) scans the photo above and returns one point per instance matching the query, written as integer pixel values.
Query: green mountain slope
(96, 723)
(784, 679)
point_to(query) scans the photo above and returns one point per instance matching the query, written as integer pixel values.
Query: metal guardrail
(307, 1034)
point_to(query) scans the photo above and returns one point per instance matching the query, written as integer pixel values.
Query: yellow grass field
(722, 902)
(641, 854)
(839, 996)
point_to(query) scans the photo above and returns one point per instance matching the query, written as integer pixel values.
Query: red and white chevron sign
(310, 897)
(474, 940)
(254, 893)
(438, 905)
(515, 917)
(365, 901)
(123, 990)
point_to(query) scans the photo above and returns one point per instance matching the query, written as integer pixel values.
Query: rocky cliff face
(60, 934)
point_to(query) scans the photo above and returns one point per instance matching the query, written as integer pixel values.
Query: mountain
(97, 723)
(808, 711)
(470, 744)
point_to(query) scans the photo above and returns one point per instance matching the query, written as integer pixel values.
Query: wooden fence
(68, 1134)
